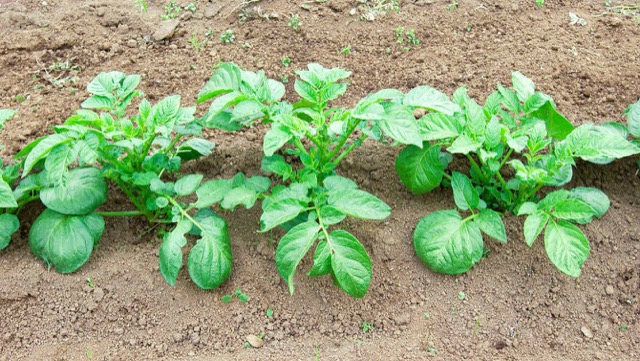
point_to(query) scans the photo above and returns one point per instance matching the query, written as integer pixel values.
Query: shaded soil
(515, 306)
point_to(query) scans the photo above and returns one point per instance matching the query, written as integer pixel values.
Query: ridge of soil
(516, 304)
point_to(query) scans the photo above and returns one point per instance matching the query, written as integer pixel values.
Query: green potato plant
(9, 203)
(516, 144)
(633, 124)
(312, 198)
(140, 154)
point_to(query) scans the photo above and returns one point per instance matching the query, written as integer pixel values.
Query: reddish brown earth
(516, 306)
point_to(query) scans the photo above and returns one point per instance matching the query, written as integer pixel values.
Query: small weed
(284, 78)
(476, 326)
(366, 327)
(462, 296)
(20, 98)
(387, 50)
(375, 8)
(90, 282)
(469, 27)
(409, 36)
(432, 351)
(190, 7)
(171, 11)
(227, 36)
(286, 61)
(209, 33)
(426, 315)
(540, 3)
(247, 344)
(294, 22)
(623, 327)
(269, 312)
(317, 353)
(142, 5)
(242, 296)
(226, 298)
(198, 45)
(246, 45)
(346, 50)
(453, 5)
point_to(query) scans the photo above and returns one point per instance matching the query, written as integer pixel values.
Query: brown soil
(516, 305)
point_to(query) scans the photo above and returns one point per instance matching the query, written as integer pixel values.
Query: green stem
(324, 229)
(477, 168)
(344, 139)
(447, 176)
(171, 145)
(350, 148)
(505, 159)
(299, 145)
(186, 215)
(117, 162)
(504, 184)
(533, 191)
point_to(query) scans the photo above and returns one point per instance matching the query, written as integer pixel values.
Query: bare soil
(515, 306)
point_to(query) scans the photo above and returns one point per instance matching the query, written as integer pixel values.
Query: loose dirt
(516, 305)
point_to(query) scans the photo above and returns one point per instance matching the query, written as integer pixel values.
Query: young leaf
(187, 184)
(321, 260)
(83, 192)
(594, 197)
(210, 260)
(399, 124)
(171, 251)
(337, 183)
(292, 247)
(213, 191)
(533, 226)
(279, 212)
(239, 196)
(350, 263)
(9, 224)
(194, 148)
(359, 204)
(429, 98)
(446, 243)
(573, 210)
(331, 215)
(65, 242)
(224, 80)
(420, 169)
(275, 139)
(464, 194)
(464, 145)
(436, 126)
(276, 164)
(491, 224)
(523, 86)
(41, 149)
(558, 127)
(566, 246)
(7, 199)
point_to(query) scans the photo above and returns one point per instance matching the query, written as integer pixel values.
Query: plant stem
(186, 215)
(299, 145)
(350, 148)
(477, 168)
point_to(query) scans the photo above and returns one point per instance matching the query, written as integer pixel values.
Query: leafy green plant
(227, 36)
(197, 45)
(346, 50)
(171, 11)
(540, 3)
(10, 201)
(294, 22)
(633, 123)
(312, 198)
(286, 61)
(142, 156)
(519, 128)
(142, 5)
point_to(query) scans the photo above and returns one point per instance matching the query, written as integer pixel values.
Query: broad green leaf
(527, 208)
(257, 184)
(436, 126)
(64, 242)
(533, 226)
(518, 143)
(350, 264)
(464, 145)
(574, 210)
(165, 110)
(210, 260)
(337, 183)
(633, 118)
(399, 124)
(105, 83)
(558, 127)
(292, 248)
(359, 204)
(566, 246)
(7, 199)
(275, 139)
(523, 86)
(195, 148)
(171, 251)
(239, 196)
(321, 260)
(277, 213)
(429, 98)
(6, 114)
(420, 169)
(593, 197)
(493, 134)
(601, 146)
(333, 91)
(331, 215)
(9, 224)
(464, 194)
(306, 91)
(446, 243)
(476, 120)
(212, 191)
(509, 99)
(225, 79)
(276, 164)
(491, 224)
(84, 191)
(99, 102)
(615, 129)
(187, 184)
(41, 150)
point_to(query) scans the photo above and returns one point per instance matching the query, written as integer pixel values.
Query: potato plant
(142, 155)
(312, 198)
(516, 144)
(633, 124)
(9, 203)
